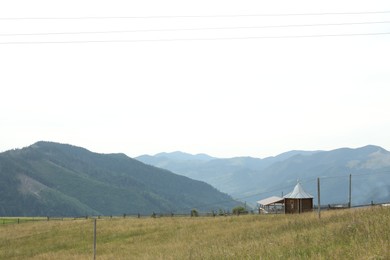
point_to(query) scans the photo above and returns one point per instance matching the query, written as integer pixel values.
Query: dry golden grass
(347, 234)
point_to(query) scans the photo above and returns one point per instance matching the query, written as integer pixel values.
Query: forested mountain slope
(51, 179)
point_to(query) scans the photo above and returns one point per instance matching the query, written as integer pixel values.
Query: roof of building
(270, 200)
(298, 193)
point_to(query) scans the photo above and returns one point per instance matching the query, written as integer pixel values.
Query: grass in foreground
(347, 234)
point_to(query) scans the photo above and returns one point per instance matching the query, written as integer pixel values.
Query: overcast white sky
(252, 95)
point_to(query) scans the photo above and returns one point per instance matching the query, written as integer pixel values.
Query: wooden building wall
(298, 205)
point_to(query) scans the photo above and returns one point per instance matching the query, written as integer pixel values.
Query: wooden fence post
(94, 239)
(350, 191)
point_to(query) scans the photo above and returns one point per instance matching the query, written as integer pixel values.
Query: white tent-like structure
(298, 193)
(298, 201)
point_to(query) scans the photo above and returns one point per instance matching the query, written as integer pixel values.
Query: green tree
(194, 213)
(239, 210)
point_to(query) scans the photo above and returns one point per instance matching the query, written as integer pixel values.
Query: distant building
(272, 204)
(298, 201)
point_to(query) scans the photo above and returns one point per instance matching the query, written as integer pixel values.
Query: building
(298, 201)
(272, 204)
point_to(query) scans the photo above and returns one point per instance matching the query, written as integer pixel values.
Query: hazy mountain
(174, 160)
(242, 177)
(286, 155)
(184, 156)
(63, 180)
(231, 175)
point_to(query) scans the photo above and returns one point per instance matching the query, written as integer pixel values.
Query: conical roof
(298, 193)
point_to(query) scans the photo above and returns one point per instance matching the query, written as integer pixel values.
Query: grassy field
(345, 234)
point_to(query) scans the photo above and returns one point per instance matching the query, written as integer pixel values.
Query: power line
(236, 199)
(194, 29)
(373, 173)
(239, 199)
(279, 188)
(194, 16)
(356, 174)
(198, 39)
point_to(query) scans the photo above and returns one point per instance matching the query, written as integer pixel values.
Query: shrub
(239, 210)
(194, 213)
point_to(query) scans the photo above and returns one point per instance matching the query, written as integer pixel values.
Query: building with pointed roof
(298, 201)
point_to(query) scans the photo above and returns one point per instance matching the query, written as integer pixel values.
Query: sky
(225, 78)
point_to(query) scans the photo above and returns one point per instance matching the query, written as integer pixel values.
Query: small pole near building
(350, 191)
(94, 239)
(319, 198)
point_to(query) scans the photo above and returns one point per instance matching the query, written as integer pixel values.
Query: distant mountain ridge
(185, 156)
(230, 175)
(161, 159)
(243, 177)
(51, 179)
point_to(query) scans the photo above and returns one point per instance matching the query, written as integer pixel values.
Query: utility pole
(350, 191)
(319, 198)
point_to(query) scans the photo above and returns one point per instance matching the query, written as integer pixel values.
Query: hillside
(243, 177)
(51, 179)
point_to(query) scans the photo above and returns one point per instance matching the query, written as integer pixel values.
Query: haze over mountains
(252, 179)
(51, 179)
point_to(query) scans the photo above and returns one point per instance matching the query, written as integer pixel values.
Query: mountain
(168, 160)
(51, 179)
(252, 179)
(184, 156)
(235, 176)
